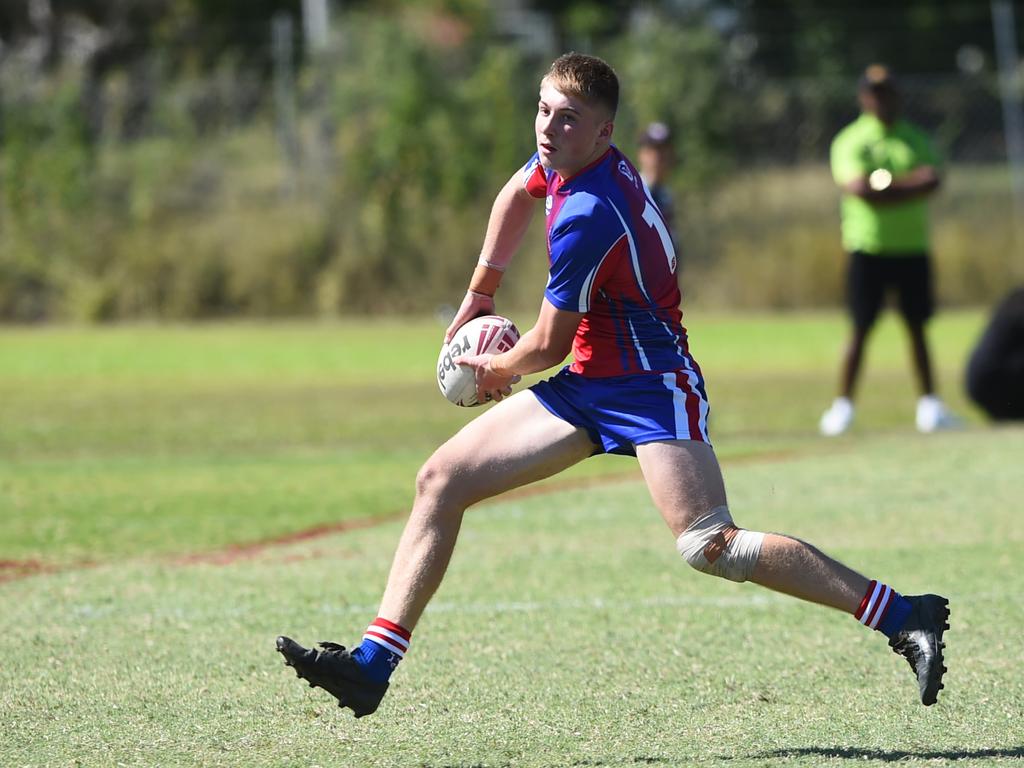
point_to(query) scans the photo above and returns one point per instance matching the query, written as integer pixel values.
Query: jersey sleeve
(535, 178)
(580, 245)
(848, 159)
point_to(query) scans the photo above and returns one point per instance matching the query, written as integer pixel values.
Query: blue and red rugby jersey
(612, 258)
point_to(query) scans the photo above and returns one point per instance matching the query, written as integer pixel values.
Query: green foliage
(770, 238)
(48, 157)
(691, 96)
(162, 189)
(46, 193)
(426, 136)
(810, 38)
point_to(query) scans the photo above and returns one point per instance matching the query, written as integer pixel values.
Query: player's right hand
(489, 385)
(474, 305)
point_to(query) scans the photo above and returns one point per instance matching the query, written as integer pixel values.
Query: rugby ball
(489, 334)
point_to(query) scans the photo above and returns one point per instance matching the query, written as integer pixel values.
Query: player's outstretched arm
(510, 216)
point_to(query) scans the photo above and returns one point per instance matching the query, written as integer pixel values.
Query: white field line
(91, 611)
(582, 604)
(760, 599)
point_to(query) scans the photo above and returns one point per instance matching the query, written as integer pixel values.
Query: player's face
(571, 134)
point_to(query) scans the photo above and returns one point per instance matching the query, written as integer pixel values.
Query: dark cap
(656, 135)
(877, 77)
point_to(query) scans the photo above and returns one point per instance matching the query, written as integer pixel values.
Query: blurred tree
(584, 23)
(427, 129)
(127, 36)
(673, 71)
(162, 195)
(815, 37)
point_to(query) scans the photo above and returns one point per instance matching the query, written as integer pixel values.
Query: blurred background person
(886, 169)
(657, 157)
(995, 372)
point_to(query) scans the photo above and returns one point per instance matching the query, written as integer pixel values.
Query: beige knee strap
(712, 544)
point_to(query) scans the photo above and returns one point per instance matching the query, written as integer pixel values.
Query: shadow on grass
(626, 761)
(849, 753)
(855, 753)
(583, 763)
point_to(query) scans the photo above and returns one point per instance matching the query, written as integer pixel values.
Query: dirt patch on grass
(11, 570)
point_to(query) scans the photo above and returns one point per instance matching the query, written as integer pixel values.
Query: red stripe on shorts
(692, 406)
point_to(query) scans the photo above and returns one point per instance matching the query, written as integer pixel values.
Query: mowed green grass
(568, 631)
(125, 441)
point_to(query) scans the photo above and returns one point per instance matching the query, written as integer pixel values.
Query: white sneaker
(838, 418)
(933, 416)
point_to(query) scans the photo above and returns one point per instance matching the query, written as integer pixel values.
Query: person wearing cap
(886, 168)
(656, 158)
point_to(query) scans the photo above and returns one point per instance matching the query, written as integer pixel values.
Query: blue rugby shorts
(621, 412)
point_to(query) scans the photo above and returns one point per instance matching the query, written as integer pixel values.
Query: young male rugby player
(633, 388)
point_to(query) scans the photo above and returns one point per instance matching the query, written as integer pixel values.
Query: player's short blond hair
(585, 77)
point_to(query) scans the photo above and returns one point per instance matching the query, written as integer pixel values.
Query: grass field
(171, 498)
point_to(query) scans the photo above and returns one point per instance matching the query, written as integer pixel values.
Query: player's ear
(606, 130)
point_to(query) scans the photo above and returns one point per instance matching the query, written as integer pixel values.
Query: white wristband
(490, 265)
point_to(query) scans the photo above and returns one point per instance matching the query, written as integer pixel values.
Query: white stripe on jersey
(636, 343)
(632, 252)
(676, 338)
(588, 284)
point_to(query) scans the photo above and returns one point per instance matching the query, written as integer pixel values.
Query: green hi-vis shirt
(866, 145)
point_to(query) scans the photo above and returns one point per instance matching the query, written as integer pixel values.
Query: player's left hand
(473, 305)
(489, 385)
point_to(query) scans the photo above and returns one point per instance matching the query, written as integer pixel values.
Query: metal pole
(315, 24)
(284, 97)
(1004, 28)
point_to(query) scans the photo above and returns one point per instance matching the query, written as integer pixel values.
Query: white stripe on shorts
(679, 397)
(678, 406)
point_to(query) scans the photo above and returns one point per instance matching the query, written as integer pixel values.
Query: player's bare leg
(513, 443)
(472, 466)
(686, 484)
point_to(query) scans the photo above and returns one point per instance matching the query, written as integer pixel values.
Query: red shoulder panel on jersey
(537, 182)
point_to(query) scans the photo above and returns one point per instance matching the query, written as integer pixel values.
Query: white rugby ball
(489, 334)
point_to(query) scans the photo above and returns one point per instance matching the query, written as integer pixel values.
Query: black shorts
(872, 277)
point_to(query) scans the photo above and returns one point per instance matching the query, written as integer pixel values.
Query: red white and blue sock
(883, 609)
(384, 645)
